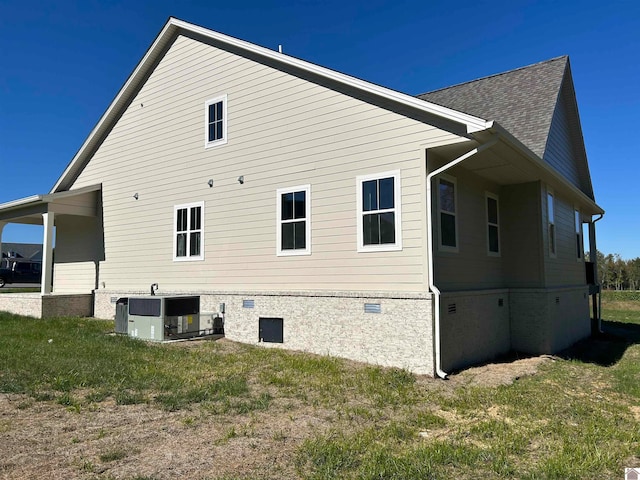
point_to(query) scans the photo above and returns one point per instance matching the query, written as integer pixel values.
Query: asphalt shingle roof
(521, 100)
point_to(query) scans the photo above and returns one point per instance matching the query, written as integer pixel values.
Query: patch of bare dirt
(489, 375)
(502, 373)
(46, 440)
(109, 441)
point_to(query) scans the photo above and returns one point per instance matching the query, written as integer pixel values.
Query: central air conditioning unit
(159, 318)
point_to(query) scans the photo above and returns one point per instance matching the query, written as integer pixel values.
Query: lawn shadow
(606, 348)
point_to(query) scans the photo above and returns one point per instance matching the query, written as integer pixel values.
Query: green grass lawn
(19, 290)
(576, 418)
(621, 306)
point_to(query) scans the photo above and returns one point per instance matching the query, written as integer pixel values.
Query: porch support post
(593, 251)
(2, 224)
(596, 324)
(47, 253)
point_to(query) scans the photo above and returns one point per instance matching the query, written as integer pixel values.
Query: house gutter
(432, 286)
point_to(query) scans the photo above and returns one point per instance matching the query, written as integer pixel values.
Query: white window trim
(578, 231)
(397, 202)
(552, 253)
(188, 258)
(495, 197)
(300, 251)
(441, 247)
(223, 140)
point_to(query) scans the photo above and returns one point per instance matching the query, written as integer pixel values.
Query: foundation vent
(248, 303)
(372, 308)
(501, 302)
(452, 308)
(557, 300)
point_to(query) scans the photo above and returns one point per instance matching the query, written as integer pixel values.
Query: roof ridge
(496, 75)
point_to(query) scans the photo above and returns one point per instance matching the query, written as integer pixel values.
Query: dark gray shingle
(521, 100)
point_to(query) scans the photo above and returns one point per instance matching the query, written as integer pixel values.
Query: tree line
(615, 273)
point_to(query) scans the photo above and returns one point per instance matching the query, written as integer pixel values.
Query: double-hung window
(216, 121)
(379, 215)
(188, 234)
(551, 222)
(293, 234)
(447, 214)
(493, 226)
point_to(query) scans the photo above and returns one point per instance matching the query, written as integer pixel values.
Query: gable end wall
(282, 131)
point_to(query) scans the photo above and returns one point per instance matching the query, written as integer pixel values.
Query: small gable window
(379, 218)
(188, 235)
(216, 121)
(447, 213)
(293, 233)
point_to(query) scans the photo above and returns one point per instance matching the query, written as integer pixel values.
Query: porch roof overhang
(29, 210)
(510, 162)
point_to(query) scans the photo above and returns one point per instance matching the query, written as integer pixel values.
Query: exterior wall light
(241, 179)
(135, 195)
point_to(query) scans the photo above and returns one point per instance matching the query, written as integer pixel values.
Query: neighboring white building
(426, 232)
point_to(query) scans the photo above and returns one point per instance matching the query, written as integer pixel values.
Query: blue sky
(63, 62)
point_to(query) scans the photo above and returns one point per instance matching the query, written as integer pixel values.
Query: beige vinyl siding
(559, 150)
(522, 245)
(471, 267)
(564, 269)
(77, 251)
(282, 132)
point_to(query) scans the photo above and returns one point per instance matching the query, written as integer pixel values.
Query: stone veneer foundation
(474, 327)
(480, 325)
(334, 324)
(548, 320)
(47, 306)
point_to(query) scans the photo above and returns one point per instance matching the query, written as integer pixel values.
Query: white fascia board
(50, 197)
(174, 26)
(474, 124)
(47, 198)
(21, 202)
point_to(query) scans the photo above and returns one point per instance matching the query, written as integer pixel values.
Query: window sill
(379, 248)
(188, 259)
(293, 253)
(216, 143)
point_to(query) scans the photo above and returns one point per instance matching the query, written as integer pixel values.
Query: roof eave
(112, 111)
(473, 123)
(540, 163)
(172, 29)
(46, 198)
(21, 202)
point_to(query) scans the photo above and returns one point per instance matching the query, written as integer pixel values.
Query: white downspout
(432, 286)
